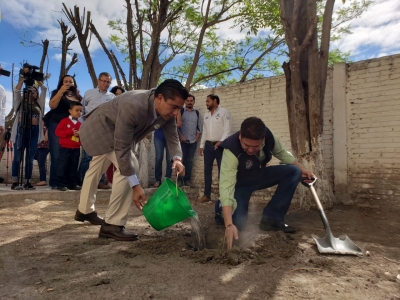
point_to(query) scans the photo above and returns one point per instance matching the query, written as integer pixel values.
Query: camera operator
(2, 108)
(27, 137)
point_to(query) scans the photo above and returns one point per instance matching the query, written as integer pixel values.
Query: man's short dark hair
(104, 74)
(253, 128)
(214, 97)
(190, 95)
(74, 103)
(170, 89)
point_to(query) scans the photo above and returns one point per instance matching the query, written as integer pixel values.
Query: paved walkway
(46, 193)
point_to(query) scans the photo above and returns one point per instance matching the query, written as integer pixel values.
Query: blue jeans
(160, 145)
(188, 151)
(54, 147)
(26, 140)
(84, 166)
(286, 177)
(41, 155)
(209, 156)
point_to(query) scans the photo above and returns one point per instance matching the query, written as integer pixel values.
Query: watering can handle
(308, 182)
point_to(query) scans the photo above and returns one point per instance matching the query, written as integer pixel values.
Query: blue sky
(375, 34)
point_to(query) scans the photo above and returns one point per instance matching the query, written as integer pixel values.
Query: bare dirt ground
(45, 254)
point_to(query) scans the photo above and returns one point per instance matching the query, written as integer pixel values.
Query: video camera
(31, 75)
(5, 73)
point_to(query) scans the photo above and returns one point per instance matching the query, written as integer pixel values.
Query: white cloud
(57, 57)
(42, 16)
(376, 29)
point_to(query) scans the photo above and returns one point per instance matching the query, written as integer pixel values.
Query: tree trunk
(121, 72)
(82, 31)
(110, 57)
(45, 44)
(303, 88)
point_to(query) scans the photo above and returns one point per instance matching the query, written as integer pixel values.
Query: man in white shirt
(2, 108)
(91, 100)
(216, 128)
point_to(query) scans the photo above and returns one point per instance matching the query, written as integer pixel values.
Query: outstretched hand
(231, 233)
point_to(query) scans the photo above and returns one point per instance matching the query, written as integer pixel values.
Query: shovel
(329, 244)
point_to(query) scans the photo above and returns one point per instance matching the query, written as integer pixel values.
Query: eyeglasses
(106, 81)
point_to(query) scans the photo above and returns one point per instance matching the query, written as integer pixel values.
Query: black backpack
(198, 117)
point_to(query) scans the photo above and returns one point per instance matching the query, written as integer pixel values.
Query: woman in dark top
(66, 92)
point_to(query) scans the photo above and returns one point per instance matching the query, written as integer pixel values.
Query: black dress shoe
(75, 188)
(93, 218)
(118, 233)
(268, 224)
(62, 188)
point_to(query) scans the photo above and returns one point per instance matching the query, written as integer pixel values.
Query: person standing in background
(189, 135)
(216, 128)
(3, 101)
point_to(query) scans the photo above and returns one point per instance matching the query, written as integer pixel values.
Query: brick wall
(373, 89)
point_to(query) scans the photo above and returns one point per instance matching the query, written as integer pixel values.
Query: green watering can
(167, 206)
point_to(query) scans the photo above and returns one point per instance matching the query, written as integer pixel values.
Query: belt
(212, 143)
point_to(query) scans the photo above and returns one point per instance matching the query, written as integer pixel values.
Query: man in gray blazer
(109, 133)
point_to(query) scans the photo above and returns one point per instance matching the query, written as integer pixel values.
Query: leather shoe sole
(118, 233)
(93, 218)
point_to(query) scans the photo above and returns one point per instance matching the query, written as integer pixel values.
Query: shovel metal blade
(331, 245)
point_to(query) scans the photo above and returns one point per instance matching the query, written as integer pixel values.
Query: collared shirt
(216, 127)
(94, 98)
(229, 167)
(191, 125)
(73, 120)
(2, 106)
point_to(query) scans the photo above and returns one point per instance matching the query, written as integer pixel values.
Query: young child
(68, 133)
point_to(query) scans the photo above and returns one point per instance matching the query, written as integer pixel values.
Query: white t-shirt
(216, 127)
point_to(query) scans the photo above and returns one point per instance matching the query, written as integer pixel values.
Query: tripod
(7, 144)
(24, 138)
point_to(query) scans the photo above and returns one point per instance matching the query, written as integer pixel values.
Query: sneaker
(267, 224)
(29, 186)
(219, 218)
(14, 186)
(75, 187)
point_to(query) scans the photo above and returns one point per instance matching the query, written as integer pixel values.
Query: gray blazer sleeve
(125, 125)
(171, 135)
